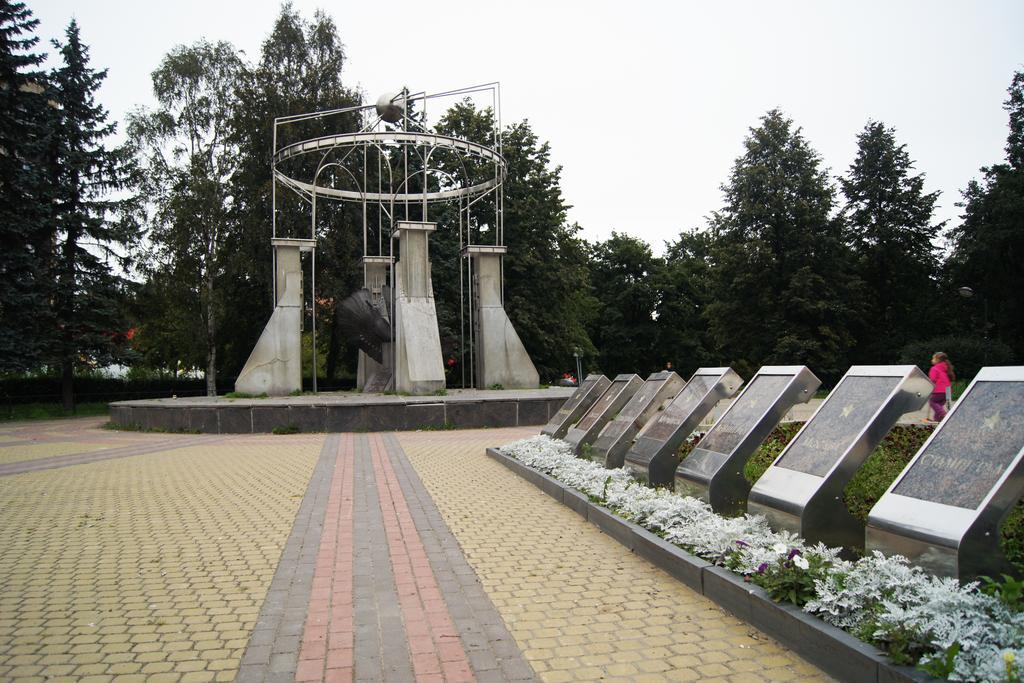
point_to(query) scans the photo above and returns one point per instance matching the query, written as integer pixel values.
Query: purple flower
(743, 544)
(792, 553)
(762, 568)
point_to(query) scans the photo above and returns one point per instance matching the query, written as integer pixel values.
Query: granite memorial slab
(617, 436)
(604, 409)
(589, 390)
(802, 491)
(714, 469)
(652, 457)
(944, 510)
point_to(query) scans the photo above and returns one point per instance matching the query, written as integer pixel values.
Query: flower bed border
(831, 649)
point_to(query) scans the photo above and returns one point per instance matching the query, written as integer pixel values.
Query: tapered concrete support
(372, 376)
(500, 355)
(275, 364)
(419, 368)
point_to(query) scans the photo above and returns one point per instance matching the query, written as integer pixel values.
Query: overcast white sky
(645, 104)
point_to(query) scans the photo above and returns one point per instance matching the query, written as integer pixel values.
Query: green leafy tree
(189, 160)
(25, 235)
(988, 246)
(889, 223)
(623, 275)
(546, 279)
(782, 287)
(299, 71)
(683, 286)
(91, 224)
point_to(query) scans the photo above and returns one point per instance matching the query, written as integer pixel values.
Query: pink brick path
(327, 651)
(327, 641)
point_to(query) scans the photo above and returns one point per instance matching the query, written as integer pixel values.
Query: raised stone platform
(344, 412)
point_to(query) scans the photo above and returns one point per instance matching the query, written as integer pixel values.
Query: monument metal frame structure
(393, 139)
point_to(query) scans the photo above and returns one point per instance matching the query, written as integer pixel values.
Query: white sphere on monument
(391, 107)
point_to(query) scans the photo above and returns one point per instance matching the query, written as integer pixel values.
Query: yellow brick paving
(580, 605)
(26, 452)
(147, 567)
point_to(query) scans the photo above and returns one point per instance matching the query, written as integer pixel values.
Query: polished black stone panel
(203, 420)
(602, 405)
(344, 419)
(496, 413)
(170, 419)
(265, 418)
(664, 426)
(235, 420)
(533, 412)
(583, 394)
(474, 414)
(736, 423)
(374, 413)
(384, 418)
(962, 464)
(307, 418)
(845, 413)
(423, 416)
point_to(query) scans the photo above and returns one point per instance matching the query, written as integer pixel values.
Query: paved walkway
(377, 557)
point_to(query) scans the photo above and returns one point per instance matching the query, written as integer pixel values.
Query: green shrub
(968, 353)
(878, 472)
(49, 411)
(882, 467)
(770, 449)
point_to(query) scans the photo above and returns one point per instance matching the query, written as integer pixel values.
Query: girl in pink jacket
(942, 376)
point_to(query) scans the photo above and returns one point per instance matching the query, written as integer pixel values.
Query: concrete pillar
(500, 355)
(419, 368)
(275, 364)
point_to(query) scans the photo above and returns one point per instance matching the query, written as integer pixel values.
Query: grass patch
(765, 455)
(114, 427)
(447, 426)
(242, 394)
(286, 429)
(49, 411)
(878, 472)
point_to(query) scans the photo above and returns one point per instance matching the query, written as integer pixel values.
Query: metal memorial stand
(944, 510)
(802, 491)
(617, 436)
(604, 409)
(652, 457)
(578, 404)
(713, 471)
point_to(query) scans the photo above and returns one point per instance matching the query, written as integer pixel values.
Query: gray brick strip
(492, 651)
(7, 469)
(273, 650)
(381, 645)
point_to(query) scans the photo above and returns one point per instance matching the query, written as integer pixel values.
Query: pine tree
(988, 246)
(889, 223)
(90, 230)
(782, 288)
(24, 232)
